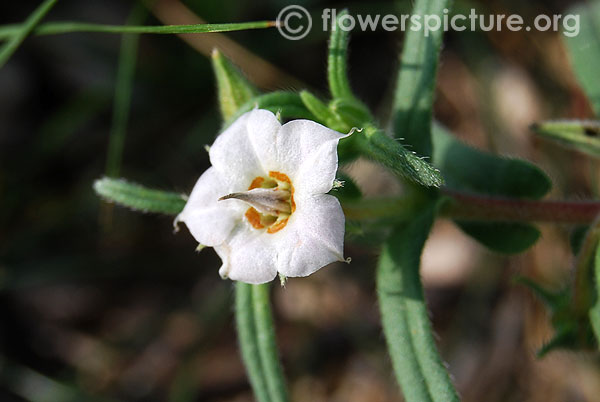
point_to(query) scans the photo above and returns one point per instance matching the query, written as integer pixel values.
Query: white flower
(263, 204)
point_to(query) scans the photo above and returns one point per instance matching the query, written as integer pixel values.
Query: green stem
(267, 346)
(418, 367)
(246, 329)
(20, 32)
(54, 28)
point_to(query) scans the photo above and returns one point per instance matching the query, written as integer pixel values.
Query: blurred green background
(100, 303)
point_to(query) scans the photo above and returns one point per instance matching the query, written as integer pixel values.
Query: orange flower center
(279, 219)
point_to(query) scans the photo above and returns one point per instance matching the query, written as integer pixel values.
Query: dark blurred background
(101, 303)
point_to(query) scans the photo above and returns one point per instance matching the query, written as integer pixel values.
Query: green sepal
(234, 90)
(348, 191)
(288, 104)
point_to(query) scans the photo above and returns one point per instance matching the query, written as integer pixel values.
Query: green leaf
(234, 89)
(470, 170)
(22, 31)
(584, 51)
(415, 87)
(376, 145)
(138, 197)
(123, 90)
(256, 337)
(581, 135)
(502, 237)
(417, 364)
(337, 69)
(53, 28)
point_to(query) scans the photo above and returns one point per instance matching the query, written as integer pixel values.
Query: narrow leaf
(581, 135)
(417, 364)
(138, 197)
(234, 89)
(267, 346)
(123, 90)
(584, 50)
(54, 28)
(415, 87)
(247, 338)
(22, 31)
(337, 69)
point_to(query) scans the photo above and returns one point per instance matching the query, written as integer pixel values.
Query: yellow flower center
(271, 201)
(273, 222)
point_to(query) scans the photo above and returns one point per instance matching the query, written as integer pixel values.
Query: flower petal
(302, 149)
(248, 256)
(234, 153)
(313, 238)
(209, 220)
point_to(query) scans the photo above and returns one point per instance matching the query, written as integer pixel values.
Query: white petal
(313, 238)
(234, 153)
(302, 149)
(248, 255)
(209, 220)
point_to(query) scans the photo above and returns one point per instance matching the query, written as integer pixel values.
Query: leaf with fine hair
(419, 369)
(376, 145)
(469, 170)
(584, 50)
(138, 197)
(415, 86)
(256, 338)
